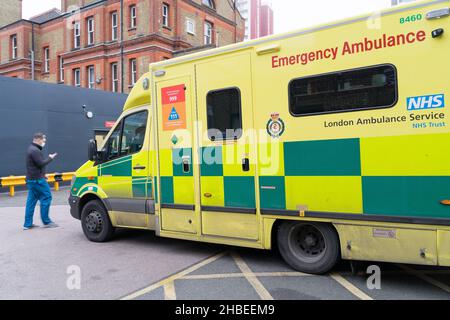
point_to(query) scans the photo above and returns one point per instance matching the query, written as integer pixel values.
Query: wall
(11, 11)
(30, 106)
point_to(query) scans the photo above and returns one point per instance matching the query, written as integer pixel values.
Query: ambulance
(328, 143)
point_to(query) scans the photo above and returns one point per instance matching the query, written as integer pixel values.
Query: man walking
(38, 188)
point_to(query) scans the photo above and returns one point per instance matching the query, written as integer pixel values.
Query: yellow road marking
(350, 287)
(173, 277)
(250, 276)
(169, 291)
(426, 278)
(241, 275)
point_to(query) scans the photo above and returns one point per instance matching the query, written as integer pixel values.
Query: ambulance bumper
(74, 203)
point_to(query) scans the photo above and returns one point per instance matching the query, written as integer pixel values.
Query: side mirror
(92, 151)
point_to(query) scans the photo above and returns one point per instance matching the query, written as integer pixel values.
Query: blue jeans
(38, 190)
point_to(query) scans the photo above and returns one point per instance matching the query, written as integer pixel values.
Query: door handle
(139, 167)
(245, 164)
(186, 164)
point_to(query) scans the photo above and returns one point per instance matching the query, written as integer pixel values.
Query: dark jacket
(36, 163)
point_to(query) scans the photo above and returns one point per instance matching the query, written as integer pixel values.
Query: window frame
(77, 35)
(14, 47)
(240, 113)
(114, 80)
(133, 71)
(207, 23)
(166, 15)
(348, 110)
(114, 26)
(133, 16)
(121, 123)
(75, 71)
(61, 69)
(91, 85)
(192, 22)
(90, 32)
(46, 59)
(211, 4)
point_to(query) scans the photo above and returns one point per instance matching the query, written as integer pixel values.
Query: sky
(288, 14)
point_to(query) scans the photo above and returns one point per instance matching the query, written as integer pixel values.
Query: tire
(95, 222)
(308, 247)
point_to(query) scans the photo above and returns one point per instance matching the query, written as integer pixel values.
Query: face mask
(43, 144)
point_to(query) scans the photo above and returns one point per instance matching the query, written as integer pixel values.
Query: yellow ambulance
(330, 142)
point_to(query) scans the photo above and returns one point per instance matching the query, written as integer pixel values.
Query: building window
(114, 77)
(77, 77)
(46, 59)
(352, 90)
(208, 33)
(90, 30)
(76, 35)
(190, 26)
(114, 26)
(224, 114)
(133, 71)
(91, 77)
(209, 3)
(133, 17)
(61, 69)
(165, 14)
(14, 47)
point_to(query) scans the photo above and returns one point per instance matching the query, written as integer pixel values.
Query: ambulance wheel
(95, 222)
(308, 246)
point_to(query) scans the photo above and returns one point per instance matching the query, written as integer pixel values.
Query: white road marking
(250, 276)
(350, 287)
(426, 278)
(173, 277)
(169, 291)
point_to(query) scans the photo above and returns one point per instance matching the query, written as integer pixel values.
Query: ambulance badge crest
(275, 126)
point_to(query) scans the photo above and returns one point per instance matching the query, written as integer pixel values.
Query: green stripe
(139, 187)
(239, 192)
(167, 190)
(406, 196)
(322, 158)
(211, 161)
(122, 169)
(80, 182)
(272, 193)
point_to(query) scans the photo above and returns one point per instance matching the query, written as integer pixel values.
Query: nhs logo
(425, 102)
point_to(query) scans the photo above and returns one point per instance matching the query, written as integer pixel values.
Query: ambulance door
(227, 147)
(176, 170)
(123, 173)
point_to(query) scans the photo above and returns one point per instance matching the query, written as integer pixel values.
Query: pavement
(61, 263)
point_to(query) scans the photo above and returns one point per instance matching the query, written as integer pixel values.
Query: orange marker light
(445, 202)
(91, 178)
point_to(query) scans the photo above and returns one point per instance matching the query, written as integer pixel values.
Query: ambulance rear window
(224, 114)
(353, 90)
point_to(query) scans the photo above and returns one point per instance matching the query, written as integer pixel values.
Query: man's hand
(53, 155)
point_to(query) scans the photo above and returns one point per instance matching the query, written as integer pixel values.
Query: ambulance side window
(351, 90)
(224, 114)
(133, 133)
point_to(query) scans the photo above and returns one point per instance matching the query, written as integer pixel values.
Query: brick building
(83, 43)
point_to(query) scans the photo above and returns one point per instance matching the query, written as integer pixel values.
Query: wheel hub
(94, 222)
(308, 243)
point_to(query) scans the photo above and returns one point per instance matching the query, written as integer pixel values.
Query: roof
(46, 16)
